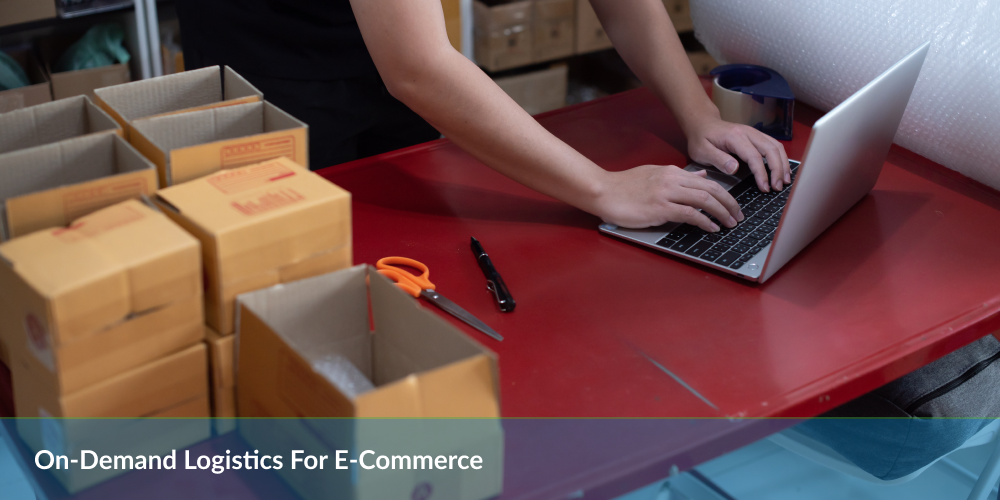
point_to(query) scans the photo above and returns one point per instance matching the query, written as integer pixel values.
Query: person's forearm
(465, 105)
(646, 39)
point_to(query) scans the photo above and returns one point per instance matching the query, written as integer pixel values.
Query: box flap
(52, 122)
(94, 171)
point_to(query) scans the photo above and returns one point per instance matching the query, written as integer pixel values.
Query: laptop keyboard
(734, 247)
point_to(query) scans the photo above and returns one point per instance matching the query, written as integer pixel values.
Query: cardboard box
(503, 35)
(51, 185)
(555, 29)
(310, 352)
(222, 354)
(590, 35)
(261, 225)
(453, 22)
(680, 14)
(38, 92)
(171, 391)
(53, 122)
(86, 81)
(204, 88)
(115, 290)
(539, 91)
(22, 11)
(187, 146)
(702, 62)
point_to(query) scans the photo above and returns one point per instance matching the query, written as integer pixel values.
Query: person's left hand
(710, 141)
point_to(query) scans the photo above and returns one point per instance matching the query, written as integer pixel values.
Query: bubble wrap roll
(829, 50)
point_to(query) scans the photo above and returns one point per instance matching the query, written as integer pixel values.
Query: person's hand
(711, 140)
(652, 195)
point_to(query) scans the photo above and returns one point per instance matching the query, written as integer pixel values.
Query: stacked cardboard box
(23, 11)
(103, 318)
(51, 185)
(538, 91)
(222, 355)
(555, 29)
(312, 353)
(261, 225)
(590, 35)
(503, 35)
(186, 146)
(38, 91)
(204, 88)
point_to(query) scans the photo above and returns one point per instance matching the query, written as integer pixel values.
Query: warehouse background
(545, 54)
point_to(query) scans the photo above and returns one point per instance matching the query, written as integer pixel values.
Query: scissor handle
(390, 263)
(402, 281)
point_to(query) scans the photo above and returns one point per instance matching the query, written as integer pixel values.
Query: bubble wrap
(343, 375)
(829, 50)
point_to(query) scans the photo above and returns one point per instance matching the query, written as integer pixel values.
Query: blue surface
(765, 471)
(12, 482)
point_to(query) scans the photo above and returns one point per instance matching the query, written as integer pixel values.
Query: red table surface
(908, 275)
(905, 277)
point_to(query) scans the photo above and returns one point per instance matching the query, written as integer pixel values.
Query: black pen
(494, 282)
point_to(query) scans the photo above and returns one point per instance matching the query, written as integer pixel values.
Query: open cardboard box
(261, 225)
(116, 289)
(52, 122)
(23, 11)
(190, 145)
(39, 90)
(51, 185)
(193, 90)
(306, 349)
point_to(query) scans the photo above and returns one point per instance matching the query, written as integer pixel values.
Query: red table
(908, 275)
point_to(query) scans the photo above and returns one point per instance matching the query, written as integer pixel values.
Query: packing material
(419, 368)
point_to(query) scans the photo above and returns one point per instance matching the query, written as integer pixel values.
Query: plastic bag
(11, 74)
(100, 46)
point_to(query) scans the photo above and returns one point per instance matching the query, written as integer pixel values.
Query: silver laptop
(843, 159)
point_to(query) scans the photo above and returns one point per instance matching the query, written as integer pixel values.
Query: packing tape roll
(738, 107)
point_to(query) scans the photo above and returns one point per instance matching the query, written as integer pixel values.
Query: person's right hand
(652, 195)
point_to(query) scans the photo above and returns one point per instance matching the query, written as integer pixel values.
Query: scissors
(420, 286)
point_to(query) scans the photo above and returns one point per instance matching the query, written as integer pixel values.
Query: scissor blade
(457, 311)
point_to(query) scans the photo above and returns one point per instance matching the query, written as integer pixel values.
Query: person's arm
(409, 44)
(645, 37)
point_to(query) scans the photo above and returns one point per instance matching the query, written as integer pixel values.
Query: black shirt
(293, 39)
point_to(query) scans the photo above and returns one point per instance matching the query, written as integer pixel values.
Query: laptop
(842, 161)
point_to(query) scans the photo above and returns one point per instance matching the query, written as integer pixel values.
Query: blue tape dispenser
(755, 96)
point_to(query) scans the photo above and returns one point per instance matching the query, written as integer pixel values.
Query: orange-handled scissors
(421, 286)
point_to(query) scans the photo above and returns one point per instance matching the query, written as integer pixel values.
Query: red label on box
(245, 179)
(80, 202)
(258, 151)
(267, 201)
